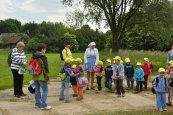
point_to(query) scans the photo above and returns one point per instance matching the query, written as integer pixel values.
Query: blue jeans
(65, 87)
(41, 99)
(161, 100)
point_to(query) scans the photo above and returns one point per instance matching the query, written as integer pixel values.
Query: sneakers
(169, 104)
(92, 88)
(79, 98)
(46, 108)
(61, 99)
(123, 95)
(87, 88)
(164, 109)
(160, 109)
(23, 94)
(18, 96)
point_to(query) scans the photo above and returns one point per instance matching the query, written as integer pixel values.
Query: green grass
(6, 79)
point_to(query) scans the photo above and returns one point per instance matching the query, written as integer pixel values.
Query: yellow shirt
(66, 53)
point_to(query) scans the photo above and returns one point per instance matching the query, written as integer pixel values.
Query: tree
(115, 13)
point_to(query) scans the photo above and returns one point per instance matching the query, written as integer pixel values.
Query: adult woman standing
(90, 58)
(18, 58)
(170, 55)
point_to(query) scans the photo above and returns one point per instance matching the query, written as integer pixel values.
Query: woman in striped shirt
(18, 58)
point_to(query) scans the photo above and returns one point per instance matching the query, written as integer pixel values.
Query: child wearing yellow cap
(147, 67)
(118, 76)
(139, 77)
(98, 71)
(129, 72)
(108, 74)
(65, 82)
(160, 84)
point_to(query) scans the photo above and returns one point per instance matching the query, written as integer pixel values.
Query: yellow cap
(171, 65)
(117, 58)
(170, 62)
(78, 60)
(121, 62)
(108, 60)
(161, 70)
(100, 63)
(138, 63)
(68, 60)
(73, 66)
(146, 59)
(127, 60)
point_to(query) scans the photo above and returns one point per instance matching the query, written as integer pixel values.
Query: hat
(170, 62)
(146, 59)
(161, 70)
(171, 65)
(73, 66)
(117, 58)
(108, 60)
(78, 60)
(92, 44)
(100, 63)
(20, 44)
(121, 61)
(68, 60)
(138, 64)
(127, 60)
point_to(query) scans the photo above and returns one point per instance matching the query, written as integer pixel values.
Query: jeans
(130, 82)
(41, 99)
(65, 87)
(108, 83)
(161, 100)
(17, 82)
(139, 84)
(119, 86)
(99, 79)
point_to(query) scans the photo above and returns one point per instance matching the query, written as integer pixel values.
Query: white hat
(92, 44)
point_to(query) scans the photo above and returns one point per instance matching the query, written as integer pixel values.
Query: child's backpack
(82, 82)
(34, 67)
(157, 81)
(9, 60)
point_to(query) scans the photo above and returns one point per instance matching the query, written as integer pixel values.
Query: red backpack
(34, 67)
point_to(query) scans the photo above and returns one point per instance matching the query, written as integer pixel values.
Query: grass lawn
(6, 80)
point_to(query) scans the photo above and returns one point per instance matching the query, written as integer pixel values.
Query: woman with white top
(90, 58)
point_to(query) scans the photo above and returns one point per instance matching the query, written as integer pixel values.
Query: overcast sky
(35, 10)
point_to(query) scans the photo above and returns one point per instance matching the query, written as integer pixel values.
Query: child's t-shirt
(108, 72)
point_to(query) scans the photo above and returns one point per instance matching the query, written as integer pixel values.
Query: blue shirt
(139, 74)
(161, 86)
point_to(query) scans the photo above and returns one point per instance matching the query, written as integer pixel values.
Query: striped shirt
(18, 58)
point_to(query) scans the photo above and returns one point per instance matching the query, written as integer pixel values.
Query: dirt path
(93, 102)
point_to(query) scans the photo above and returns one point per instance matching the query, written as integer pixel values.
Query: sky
(35, 10)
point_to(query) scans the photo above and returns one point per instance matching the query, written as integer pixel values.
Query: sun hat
(108, 60)
(161, 70)
(127, 60)
(92, 44)
(138, 64)
(117, 58)
(146, 59)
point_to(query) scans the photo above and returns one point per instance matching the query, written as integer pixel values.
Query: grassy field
(158, 58)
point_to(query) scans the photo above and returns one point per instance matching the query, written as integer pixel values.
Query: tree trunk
(115, 42)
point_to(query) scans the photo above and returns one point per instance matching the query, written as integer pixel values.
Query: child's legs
(106, 82)
(88, 77)
(110, 83)
(67, 95)
(171, 94)
(92, 79)
(158, 101)
(121, 86)
(141, 85)
(128, 81)
(80, 91)
(37, 94)
(44, 87)
(137, 86)
(146, 81)
(169, 91)
(99, 78)
(118, 87)
(163, 100)
(62, 90)
(132, 82)
(75, 89)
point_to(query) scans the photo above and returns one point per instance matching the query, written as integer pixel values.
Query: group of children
(112, 73)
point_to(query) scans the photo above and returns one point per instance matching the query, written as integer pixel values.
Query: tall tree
(115, 13)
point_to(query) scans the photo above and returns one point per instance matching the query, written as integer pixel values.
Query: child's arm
(151, 66)
(122, 72)
(154, 85)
